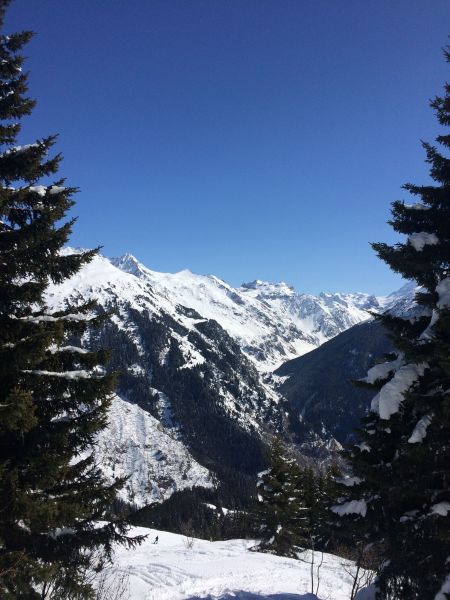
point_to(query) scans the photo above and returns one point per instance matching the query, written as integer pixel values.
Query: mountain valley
(208, 371)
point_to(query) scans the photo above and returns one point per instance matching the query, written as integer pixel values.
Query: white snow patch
(81, 374)
(420, 430)
(443, 289)
(349, 481)
(358, 507)
(417, 206)
(23, 526)
(363, 446)
(56, 189)
(53, 349)
(388, 400)
(192, 357)
(444, 591)
(382, 370)
(136, 369)
(441, 509)
(51, 318)
(421, 239)
(428, 332)
(24, 148)
(41, 190)
(409, 516)
(59, 531)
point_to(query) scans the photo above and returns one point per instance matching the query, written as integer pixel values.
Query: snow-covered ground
(226, 570)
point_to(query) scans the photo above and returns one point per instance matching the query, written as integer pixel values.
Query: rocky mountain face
(319, 385)
(196, 395)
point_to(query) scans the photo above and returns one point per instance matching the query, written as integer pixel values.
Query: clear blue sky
(245, 138)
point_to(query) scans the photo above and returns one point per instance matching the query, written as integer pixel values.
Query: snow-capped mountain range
(271, 321)
(195, 401)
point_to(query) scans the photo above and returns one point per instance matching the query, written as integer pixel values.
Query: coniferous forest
(172, 436)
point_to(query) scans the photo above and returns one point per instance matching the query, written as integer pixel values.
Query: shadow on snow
(239, 595)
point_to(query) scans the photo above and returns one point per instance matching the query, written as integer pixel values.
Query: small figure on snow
(156, 540)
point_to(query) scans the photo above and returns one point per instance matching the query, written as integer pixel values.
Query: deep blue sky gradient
(245, 138)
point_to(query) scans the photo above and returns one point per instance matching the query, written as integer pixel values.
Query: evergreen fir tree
(54, 397)
(282, 514)
(319, 490)
(399, 496)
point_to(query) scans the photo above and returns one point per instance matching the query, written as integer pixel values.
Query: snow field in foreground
(225, 570)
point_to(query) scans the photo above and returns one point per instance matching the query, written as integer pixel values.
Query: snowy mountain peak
(359, 300)
(265, 289)
(403, 301)
(129, 264)
(409, 288)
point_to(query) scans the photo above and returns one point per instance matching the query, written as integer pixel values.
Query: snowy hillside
(137, 446)
(271, 322)
(402, 301)
(224, 570)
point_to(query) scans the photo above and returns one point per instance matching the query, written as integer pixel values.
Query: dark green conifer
(282, 514)
(399, 497)
(319, 492)
(54, 397)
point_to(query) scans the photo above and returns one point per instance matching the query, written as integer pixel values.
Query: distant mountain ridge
(271, 321)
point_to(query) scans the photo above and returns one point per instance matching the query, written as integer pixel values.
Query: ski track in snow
(222, 570)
